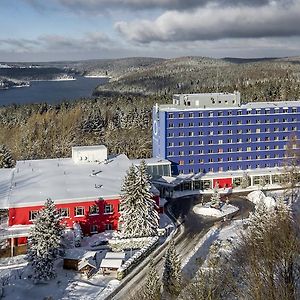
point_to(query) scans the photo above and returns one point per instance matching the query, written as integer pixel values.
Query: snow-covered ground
(206, 210)
(258, 197)
(15, 273)
(225, 237)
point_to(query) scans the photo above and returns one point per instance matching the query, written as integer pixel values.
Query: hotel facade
(216, 136)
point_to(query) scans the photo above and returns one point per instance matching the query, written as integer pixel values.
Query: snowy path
(14, 266)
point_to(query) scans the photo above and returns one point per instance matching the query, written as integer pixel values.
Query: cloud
(57, 43)
(214, 23)
(98, 6)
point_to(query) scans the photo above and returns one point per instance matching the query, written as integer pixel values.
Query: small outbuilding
(110, 266)
(115, 255)
(73, 258)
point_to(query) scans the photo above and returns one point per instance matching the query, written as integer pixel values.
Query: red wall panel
(223, 182)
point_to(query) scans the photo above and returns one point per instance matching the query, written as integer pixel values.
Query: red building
(85, 189)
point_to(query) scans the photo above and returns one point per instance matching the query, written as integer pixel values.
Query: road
(189, 234)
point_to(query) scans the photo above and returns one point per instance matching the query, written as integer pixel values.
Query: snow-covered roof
(151, 161)
(5, 180)
(95, 147)
(115, 255)
(90, 261)
(79, 254)
(111, 263)
(62, 180)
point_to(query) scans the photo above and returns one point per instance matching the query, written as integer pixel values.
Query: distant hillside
(259, 80)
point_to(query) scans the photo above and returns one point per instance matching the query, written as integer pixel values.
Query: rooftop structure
(207, 100)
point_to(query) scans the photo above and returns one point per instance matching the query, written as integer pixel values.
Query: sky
(49, 30)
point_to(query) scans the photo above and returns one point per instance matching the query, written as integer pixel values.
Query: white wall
(88, 154)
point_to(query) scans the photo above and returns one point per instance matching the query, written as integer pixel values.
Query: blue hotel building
(216, 133)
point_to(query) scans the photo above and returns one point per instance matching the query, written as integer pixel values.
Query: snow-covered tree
(215, 199)
(6, 160)
(151, 290)
(245, 182)
(138, 214)
(78, 234)
(172, 272)
(43, 242)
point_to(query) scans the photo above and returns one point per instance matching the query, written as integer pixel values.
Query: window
(191, 133)
(276, 129)
(276, 147)
(229, 131)
(210, 160)
(108, 209)
(210, 142)
(239, 112)
(248, 112)
(211, 133)
(64, 212)
(94, 228)
(229, 113)
(239, 122)
(200, 132)
(229, 141)
(220, 142)
(220, 113)
(267, 138)
(239, 140)
(191, 124)
(267, 121)
(239, 131)
(181, 116)
(171, 153)
(248, 122)
(248, 131)
(180, 125)
(267, 111)
(171, 144)
(229, 122)
(239, 149)
(171, 125)
(294, 110)
(33, 214)
(108, 226)
(191, 152)
(211, 123)
(267, 130)
(191, 115)
(181, 153)
(171, 116)
(210, 114)
(258, 139)
(285, 110)
(229, 150)
(220, 159)
(200, 115)
(79, 211)
(249, 149)
(191, 143)
(258, 148)
(191, 161)
(181, 162)
(276, 120)
(220, 123)
(294, 128)
(210, 151)
(257, 130)
(94, 210)
(248, 140)
(180, 144)
(257, 111)
(200, 123)
(229, 158)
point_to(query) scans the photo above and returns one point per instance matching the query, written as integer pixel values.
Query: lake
(51, 91)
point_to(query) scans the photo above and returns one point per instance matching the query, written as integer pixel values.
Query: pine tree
(215, 199)
(6, 160)
(172, 272)
(138, 215)
(43, 242)
(245, 182)
(151, 290)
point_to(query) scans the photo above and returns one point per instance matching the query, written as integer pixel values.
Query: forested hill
(257, 80)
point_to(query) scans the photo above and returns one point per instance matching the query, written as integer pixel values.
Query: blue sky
(40, 30)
